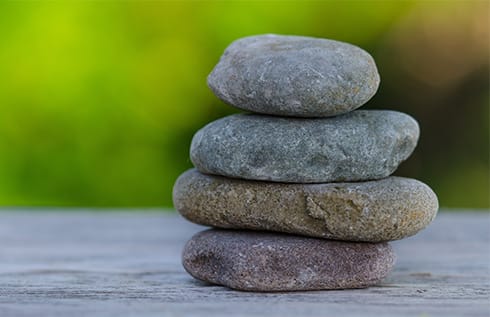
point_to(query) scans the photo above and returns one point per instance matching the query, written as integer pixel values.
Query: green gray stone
(360, 145)
(294, 76)
(267, 262)
(383, 210)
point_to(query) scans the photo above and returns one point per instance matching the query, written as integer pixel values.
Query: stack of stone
(302, 189)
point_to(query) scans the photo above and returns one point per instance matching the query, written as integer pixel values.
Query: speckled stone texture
(257, 261)
(374, 211)
(360, 145)
(294, 76)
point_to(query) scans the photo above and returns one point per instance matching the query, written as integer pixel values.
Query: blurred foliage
(99, 100)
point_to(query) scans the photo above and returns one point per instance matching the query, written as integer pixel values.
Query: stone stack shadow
(299, 192)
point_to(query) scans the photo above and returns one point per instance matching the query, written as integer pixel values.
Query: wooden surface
(85, 263)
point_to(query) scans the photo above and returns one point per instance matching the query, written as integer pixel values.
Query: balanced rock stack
(302, 189)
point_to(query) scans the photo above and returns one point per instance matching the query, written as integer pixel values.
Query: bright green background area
(99, 100)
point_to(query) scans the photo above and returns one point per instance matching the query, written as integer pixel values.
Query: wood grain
(120, 263)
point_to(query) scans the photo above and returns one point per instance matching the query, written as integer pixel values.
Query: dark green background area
(99, 100)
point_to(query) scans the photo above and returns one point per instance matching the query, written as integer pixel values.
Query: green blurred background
(99, 100)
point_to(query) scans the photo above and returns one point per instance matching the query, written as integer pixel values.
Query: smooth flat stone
(294, 76)
(388, 209)
(361, 145)
(265, 262)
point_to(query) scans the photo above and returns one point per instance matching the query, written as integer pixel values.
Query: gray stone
(294, 76)
(374, 211)
(257, 261)
(360, 145)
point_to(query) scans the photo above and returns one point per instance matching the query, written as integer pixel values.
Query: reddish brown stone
(259, 261)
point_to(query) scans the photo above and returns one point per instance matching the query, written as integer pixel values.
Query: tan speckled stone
(264, 262)
(383, 210)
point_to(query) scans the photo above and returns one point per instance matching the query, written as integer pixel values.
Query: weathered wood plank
(84, 263)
